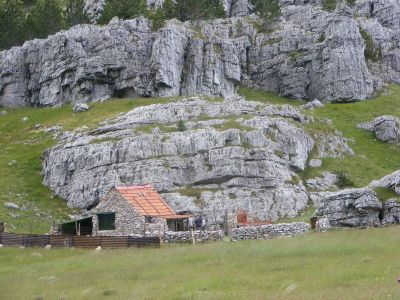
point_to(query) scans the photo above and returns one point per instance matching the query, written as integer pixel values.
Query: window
(106, 221)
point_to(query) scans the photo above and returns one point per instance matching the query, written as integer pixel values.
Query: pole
(193, 239)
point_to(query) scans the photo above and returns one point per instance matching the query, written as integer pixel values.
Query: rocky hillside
(204, 156)
(341, 55)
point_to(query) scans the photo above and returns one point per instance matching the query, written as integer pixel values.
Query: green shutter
(106, 221)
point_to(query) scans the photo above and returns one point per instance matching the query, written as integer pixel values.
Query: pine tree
(199, 9)
(123, 9)
(268, 9)
(44, 19)
(75, 14)
(11, 23)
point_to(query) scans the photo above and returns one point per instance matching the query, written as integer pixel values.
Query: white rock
(386, 128)
(81, 107)
(351, 208)
(315, 163)
(11, 205)
(313, 104)
(47, 247)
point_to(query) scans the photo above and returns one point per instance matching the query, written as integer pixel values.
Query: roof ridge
(146, 200)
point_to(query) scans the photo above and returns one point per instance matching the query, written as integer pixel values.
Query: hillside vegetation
(374, 159)
(21, 148)
(22, 145)
(345, 264)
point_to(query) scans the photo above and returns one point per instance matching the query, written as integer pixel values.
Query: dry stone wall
(269, 231)
(186, 236)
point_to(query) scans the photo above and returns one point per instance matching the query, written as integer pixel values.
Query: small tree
(268, 9)
(198, 9)
(11, 23)
(123, 9)
(75, 14)
(343, 180)
(44, 19)
(181, 126)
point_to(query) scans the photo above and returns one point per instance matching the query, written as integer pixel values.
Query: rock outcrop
(391, 212)
(385, 128)
(229, 155)
(308, 53)
(350, 208)
(391, 181)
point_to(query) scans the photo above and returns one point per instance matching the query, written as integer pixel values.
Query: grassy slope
(21, 182)
(348, 264)
(20, 141)
(373, 159)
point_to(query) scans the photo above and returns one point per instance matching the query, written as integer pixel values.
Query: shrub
(269, 9)
(75, 14)
(371, 52)
(44, 19)
(123, 9)
(329, 5)
(11, 23)
(343, 180)
(181, 126)
(321, 38)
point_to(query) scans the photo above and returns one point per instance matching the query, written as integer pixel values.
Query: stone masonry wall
(269, 231)
(186, 236)
(127, 220)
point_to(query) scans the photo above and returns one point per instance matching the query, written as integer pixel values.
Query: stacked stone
(269, 231)
(186, 236)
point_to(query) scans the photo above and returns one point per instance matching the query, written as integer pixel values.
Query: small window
(106, 221)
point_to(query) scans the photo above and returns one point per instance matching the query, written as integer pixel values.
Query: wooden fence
(60, 241)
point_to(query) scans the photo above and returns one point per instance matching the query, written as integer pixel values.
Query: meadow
(340, 264)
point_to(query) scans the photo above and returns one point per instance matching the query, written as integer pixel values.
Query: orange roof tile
(146, 200)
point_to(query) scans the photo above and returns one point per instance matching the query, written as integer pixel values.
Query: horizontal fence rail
(62, 241)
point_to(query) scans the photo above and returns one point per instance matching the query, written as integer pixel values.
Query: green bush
(181, 126)
(269, 9)
(343, 180)
(75, 14)
(371, 52)
(11, 23)
(44, 19)
(329, 5)
(123, 9)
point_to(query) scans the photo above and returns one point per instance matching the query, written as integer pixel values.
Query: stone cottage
(135, 210)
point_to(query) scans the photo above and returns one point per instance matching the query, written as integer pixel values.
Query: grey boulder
(351, 208)
(11, 205)
(80, 107)
(386, 128)
(391, 212)
(391, 181)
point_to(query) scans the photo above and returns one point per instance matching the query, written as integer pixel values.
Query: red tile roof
(146, 200)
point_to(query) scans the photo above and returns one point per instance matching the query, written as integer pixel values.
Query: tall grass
(347, 264)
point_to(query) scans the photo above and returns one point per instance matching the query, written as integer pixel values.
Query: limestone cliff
(308, 53)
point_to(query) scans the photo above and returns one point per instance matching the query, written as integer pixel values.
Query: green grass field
(345, 264)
